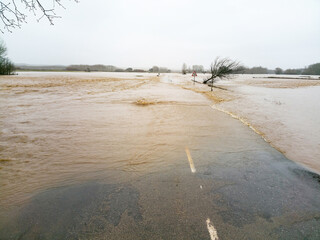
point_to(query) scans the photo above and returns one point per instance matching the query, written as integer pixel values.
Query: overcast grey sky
(143, 33)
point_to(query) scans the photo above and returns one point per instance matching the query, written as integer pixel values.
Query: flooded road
(126, 156)
(282, 110)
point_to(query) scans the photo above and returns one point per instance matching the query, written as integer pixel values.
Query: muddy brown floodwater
(61, 129)
(108, 156)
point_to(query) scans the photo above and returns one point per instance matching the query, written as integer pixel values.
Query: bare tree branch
(13, 13)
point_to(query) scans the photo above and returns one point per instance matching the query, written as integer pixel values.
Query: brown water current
(61, 129)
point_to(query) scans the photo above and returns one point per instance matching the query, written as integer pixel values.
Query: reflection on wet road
(134, 158)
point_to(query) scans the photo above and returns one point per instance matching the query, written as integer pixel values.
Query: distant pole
(194, 74)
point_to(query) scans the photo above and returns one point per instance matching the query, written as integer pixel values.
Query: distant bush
(94, 68)
(184, 68)
(138, 70)
(313, 69)
(255, 70)
(293, 71)
(278, 71)
(6, 66)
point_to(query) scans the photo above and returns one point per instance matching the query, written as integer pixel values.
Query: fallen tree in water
(223, 68)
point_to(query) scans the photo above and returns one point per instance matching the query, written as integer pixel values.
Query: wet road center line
(241, 120)
(212, 231)
(193, 169)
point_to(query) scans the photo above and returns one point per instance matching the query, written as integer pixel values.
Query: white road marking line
(212, 231)
(241, 120)
(193, 169)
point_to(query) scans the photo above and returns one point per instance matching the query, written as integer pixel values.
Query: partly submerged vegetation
(223, 68)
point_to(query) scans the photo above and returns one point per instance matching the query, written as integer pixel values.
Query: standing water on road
(284, 111)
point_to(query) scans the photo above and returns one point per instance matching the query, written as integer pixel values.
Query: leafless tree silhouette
(13, 13)
(184, 68)
(223, 68)
(6, 66)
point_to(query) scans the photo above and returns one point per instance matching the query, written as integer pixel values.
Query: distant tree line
(256, 70)
(6, 66)
(92, 68)
(156, 69)
(194, 68)
(110, 68)
(244, 70)
(313, 69)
